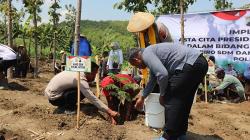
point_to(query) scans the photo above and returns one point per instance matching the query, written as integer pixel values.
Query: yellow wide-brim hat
(140, 21)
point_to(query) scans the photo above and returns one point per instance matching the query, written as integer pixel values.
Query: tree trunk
(5, 31)
(29, 46)
(24, 42)
(54, 51)
(36, 46)
(182, 22)
(10, 40)
(223, 4)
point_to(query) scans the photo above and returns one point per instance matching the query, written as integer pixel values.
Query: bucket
(154, 112)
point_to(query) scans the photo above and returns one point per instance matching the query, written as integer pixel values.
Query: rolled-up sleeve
(91, 97)
(157, 69)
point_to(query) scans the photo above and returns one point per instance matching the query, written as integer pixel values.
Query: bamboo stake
(97, 79)
(205, 88)
(78, 100)
(76, 49)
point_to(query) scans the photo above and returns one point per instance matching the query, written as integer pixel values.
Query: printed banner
(78, 63)
(224, 35)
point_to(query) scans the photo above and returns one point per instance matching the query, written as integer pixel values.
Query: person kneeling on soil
(61, 91)
(120, 90)
(230, 83)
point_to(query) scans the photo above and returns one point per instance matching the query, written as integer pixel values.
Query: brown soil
(25, 114)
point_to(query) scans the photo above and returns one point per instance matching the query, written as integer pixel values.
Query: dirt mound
(8, 104)
(9, 135)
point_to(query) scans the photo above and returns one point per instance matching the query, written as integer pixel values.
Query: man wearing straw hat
(149, 33)
(143, 22)
(177, 69)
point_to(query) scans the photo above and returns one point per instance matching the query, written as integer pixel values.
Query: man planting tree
(61, 91)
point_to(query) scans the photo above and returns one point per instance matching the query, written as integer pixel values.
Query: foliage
(52, 12)
(161, 6)
(247, 6)
(222, 4)
(16, 18)
(122, 92)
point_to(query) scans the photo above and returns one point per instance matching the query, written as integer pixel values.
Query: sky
(103, 9)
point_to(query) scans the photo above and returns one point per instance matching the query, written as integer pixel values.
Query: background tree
(222, 4)
(70, 17)
(18, 17)
(161, 6)
(4, 11)
(247, 6)
(33, 8)
(54, 19)
(45, 37)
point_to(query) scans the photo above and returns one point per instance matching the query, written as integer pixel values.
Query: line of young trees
(34, 34)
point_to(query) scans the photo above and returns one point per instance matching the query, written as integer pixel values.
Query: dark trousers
(68, 99)
(5, 64)
(179, 97)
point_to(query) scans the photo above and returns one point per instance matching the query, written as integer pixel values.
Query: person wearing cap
(178, 70)
(115, 58)
(61, 91)
(230, 82)
(63, 59)
(23, 62)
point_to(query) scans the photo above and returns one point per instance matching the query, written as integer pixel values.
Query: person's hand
(214, 90)
(112, 113)
(139, 103)
(162, 100)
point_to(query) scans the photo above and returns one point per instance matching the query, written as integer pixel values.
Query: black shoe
(70, 110)
(2, 137)
(59, 110)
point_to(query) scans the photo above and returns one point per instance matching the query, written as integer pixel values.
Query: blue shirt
(162, 60)
(84, 48)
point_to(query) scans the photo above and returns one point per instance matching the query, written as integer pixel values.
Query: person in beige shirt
(61, 91)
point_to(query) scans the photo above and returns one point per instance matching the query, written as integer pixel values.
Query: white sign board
(78, 63)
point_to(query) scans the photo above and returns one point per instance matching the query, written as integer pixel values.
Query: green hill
(102, 33)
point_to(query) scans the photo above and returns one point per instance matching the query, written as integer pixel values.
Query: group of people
(176, 69)
(225, 84)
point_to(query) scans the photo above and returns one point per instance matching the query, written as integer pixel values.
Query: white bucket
(154, 112)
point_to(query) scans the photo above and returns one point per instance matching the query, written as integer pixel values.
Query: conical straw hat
(140, 21)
